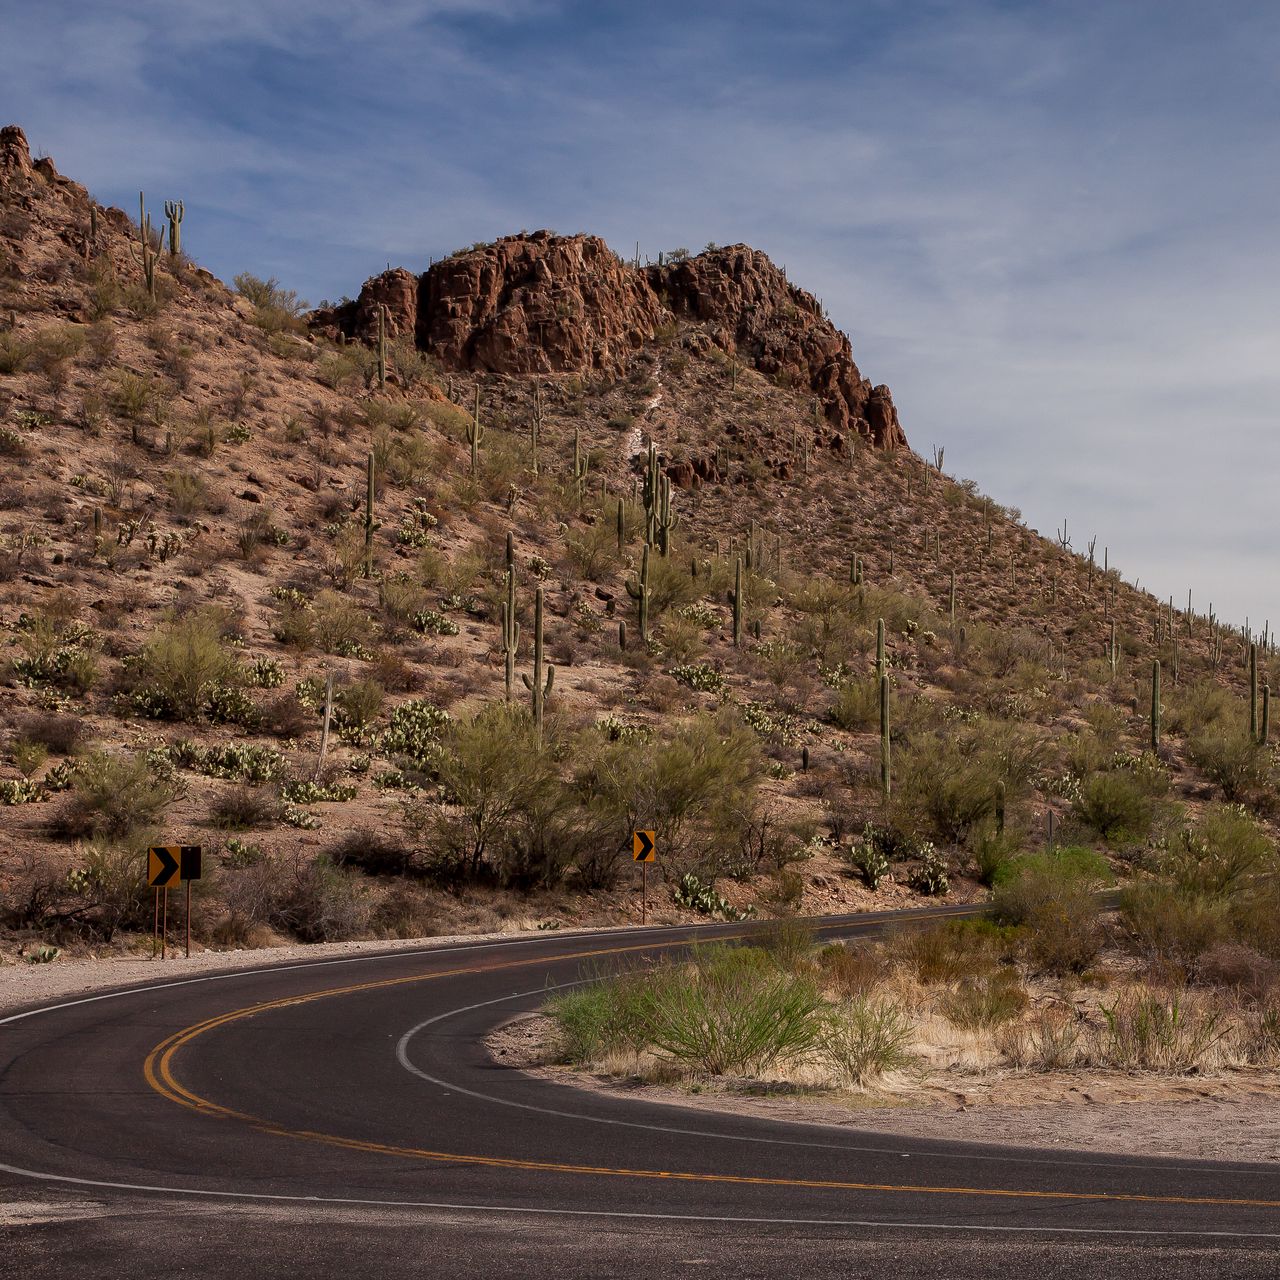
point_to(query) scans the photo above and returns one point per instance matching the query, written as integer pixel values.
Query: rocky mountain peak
(542, 304)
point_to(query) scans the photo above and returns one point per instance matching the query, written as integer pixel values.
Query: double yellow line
(159, 1072)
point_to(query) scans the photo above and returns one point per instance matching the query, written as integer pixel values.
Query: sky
(1051, 228)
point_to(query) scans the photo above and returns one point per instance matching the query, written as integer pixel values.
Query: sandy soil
(1233, 1116)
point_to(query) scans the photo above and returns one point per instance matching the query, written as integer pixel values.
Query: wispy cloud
(1048, 228)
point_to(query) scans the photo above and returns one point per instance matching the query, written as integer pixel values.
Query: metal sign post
(644, 852)
(166, 865)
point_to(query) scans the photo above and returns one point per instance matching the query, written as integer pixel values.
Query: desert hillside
(217, 508)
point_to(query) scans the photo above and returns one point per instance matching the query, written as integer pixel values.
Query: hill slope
(188, 558)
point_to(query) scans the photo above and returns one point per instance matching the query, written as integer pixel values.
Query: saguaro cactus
(737, 599)
(369, 524)
(1253, 693)
(174, 211)
(510, 634)
(882, 665)
(1155, 705)
(885, 780)
(664, 521)
(621, 527)
(539, 687)
(1264, 732)
(147, 254)
(475, 433)
(638, 590)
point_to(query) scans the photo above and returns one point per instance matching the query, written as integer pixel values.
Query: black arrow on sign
(168, 866)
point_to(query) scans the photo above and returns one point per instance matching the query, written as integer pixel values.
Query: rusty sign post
(166, 865)
(643, 851)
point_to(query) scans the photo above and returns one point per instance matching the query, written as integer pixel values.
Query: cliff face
(542, 303)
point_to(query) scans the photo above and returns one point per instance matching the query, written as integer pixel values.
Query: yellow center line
(159, 1073)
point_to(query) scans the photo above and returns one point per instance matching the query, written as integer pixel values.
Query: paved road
(341, 1116)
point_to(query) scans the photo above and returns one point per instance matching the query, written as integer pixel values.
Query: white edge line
(875, 1223)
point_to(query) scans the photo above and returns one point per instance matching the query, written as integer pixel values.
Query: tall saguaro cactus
(737, 603)
(369, 524)
(539, 687)
(475, 433)
(885, 779)
(510, 634)
(638, 590)
(147, 254)
(664, 521)
(882, 666)
(1253, 693)
(536, 428)
(173, 210)
(1155, 706)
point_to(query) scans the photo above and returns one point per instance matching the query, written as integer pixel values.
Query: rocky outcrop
(15, 154)
(750, 309)
(543, 303)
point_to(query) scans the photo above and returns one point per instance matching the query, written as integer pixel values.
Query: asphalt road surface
(342, 1118)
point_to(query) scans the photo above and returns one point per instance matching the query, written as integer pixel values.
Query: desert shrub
(670, 584)
(864, 1039)
(320, 902)
(1199, 706)
(1054, 898)
(1238, 968)
(600, 1019)
(1051, 1041)
(187, 492)
(1165, 1031)
(985, 1002)
(63, 735)
(114, 795)
(506, 802)
(790, 944)
(243, 808)
(372, 853)
(732, 1013)
(183, 667)
(274, 308)
(1171, 929)
(690, 787)
(358, 705)
(947, 780)
(946, 952)
(339, 625)
(1215, 858)
(1228, 756)
(857, 705)
(111, 884)
(852, 971)
(1117, 805)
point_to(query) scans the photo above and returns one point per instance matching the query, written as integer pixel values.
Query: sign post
(643, 851)
(166, 865)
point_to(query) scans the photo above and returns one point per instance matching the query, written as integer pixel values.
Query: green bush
(243, 809)
(1171, 929)
(1117, 805)
(864, 1039)
(1054, 898)
(732, 1013)
(183, 667)
(1226, 847)
(1228, 756)
(114, 795)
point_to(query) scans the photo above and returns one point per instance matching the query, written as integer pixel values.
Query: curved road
(327, 1116)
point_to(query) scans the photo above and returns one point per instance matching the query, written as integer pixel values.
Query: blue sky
(1050, 228)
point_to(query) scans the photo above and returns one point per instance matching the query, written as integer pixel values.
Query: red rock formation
(542, 303)
(15, 155)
